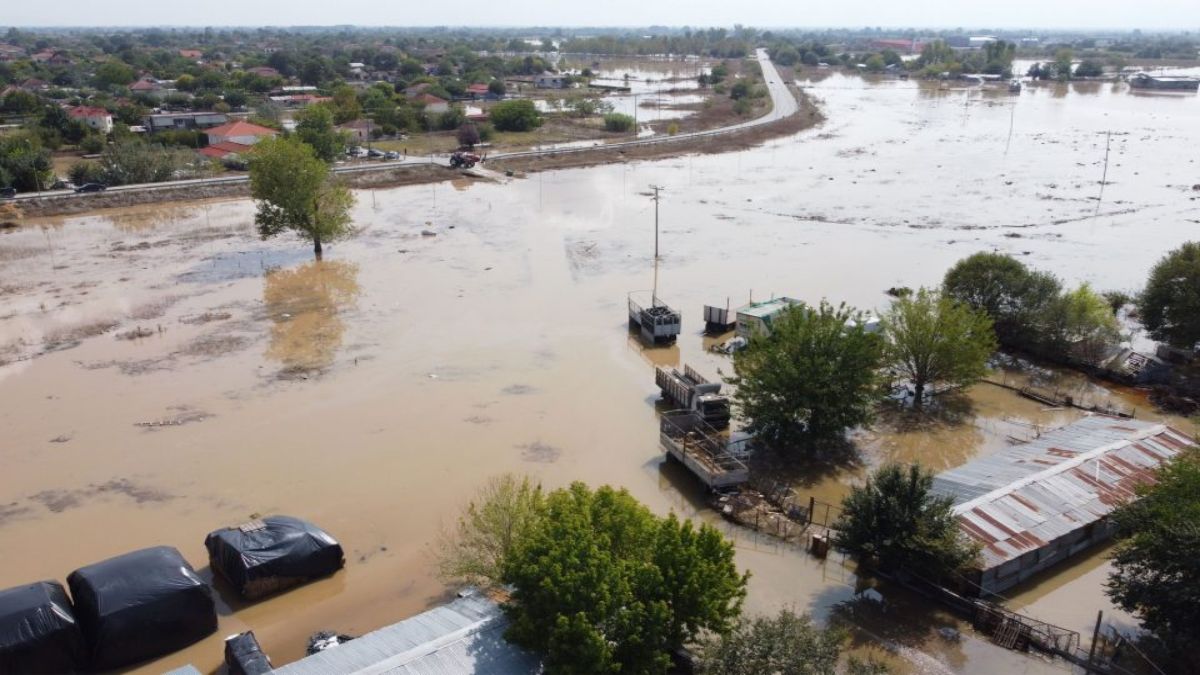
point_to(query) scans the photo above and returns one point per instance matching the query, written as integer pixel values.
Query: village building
(432, 103)
(149, 86)
(1036, 504)
(240, 132)
(756, 318)
(225, 150)
(463, 637)
(357, 131)
(191, 54)
(97, 118)
(11, 52)
(178, 121)
(299, 100)
(263, 71)
(551, 81)
(34, 84)
(417, 89)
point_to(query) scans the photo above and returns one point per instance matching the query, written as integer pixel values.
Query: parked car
(91, 187)
(374, 153)
(392, 155)
(8, 192)
(61, 184)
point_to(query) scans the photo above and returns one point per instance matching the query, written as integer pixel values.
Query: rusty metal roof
(1026, 496)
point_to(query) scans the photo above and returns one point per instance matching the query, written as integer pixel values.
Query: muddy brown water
(375, 391)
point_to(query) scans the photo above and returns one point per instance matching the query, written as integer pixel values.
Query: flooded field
(167, 373)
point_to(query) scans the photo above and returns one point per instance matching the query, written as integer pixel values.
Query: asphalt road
(783, 105)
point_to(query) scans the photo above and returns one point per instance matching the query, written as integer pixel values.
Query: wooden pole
(1095, 639)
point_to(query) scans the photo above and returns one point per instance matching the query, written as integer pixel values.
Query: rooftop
(463, 637)
(767, 307)
(241, 128)
(1026, 496)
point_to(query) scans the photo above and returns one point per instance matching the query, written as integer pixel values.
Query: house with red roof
(263, 71)
(34, 84)
(432, 103)
(225, 150)
(147, 85)
(191, 54)
(97, 118)
(240, 132)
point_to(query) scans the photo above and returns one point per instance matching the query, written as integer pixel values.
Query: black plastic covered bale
(271, 554)
(140, 605)
(38, 633)
(244, 656)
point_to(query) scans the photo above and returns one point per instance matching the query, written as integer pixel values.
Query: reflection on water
(305, 304)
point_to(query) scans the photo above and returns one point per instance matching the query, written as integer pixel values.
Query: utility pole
(656, 199)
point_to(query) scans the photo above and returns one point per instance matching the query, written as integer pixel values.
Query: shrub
(618, 122)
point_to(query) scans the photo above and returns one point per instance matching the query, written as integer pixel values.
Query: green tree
(1170, 304)
(314, 126)
(113, 73)
(784, 643)
(496, 88)
(618, 122)
(1079, 325)
(518, 115)
(602, 585)
(346, 107)
(739, 90)
(813, 377)
(1010, 293)
(1156, 574)
(488, 531)
(1089, 68)
(295, 192)
(932, 338)
(1062, 64)
(25, 164)
(895, 520)
(875, 63)
(133, 160)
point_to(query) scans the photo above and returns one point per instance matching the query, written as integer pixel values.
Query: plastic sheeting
(38, 633)
(271, 554)
(140, 605)
(244, 656)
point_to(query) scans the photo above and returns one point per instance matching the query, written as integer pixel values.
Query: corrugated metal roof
(464, 637)
(768, 308)
(1026, 496)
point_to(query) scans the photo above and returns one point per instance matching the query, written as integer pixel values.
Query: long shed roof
(464, 637)
(1026, 496)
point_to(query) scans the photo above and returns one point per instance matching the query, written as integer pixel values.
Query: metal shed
(1038, 503)
(464, 637)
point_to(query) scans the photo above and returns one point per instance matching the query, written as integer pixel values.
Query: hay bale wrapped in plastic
(38, 633)
(271, 554)
(140, 605)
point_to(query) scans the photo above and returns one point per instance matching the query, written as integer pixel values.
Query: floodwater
(375, 391)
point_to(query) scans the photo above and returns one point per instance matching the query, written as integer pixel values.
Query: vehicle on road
(8, 192)
(391, 155)
(374, 153)
(91, 187)
(464, 160)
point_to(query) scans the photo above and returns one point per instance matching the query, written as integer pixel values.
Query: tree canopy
(895, 519)
(1009, 292)
(1156, 574)
(476, 550)
(314, 126)
(785, 643)
(602, 585)
(813, 377)
(1170, 304)
(517, 115)
(933, 339)
(295, 192)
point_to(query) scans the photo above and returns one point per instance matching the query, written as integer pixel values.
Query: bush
(1170, 305)
(618, 122)
(85, 172)
(92, 144)
(519, 115)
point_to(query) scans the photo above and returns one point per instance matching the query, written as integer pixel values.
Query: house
(191, 54)
(239, 131)
(263, 71)
(97, 118)
(225, 150)
(176, 121)
(477, 91)
(1164, 82)
(43, 56)
(34, 84)
(1034, 505)
(417, 89)
(299, 100)
(11, 52)
(147, 85)
(463, 637)
(551, 81)
(756, 318)
(432, 103)
(359, 131)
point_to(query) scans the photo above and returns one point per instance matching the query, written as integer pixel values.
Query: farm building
(1036, 504)
(756, 318)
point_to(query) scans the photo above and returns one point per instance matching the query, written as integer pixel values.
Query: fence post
(812, 504)
(1095, 638)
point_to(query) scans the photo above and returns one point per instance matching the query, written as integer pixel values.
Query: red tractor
(464, 160)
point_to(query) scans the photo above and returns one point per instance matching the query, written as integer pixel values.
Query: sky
(1053, 14)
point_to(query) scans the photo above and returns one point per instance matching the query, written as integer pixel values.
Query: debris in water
(61, 438)
(428, 233)
(325, 639)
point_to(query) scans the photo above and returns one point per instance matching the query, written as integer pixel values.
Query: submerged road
(783, 104)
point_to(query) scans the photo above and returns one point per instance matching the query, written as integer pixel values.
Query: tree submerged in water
(295, 191)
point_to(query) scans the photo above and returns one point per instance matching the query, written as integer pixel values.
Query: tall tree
(1080, 326)
(1170, 305)
(295, 191)
(895, 520)
(314, 126)
(1156, 573)
(934, 339)
(813, 377)
(489, 529)
(785, 643)
(602, 585)
(1014, 296)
